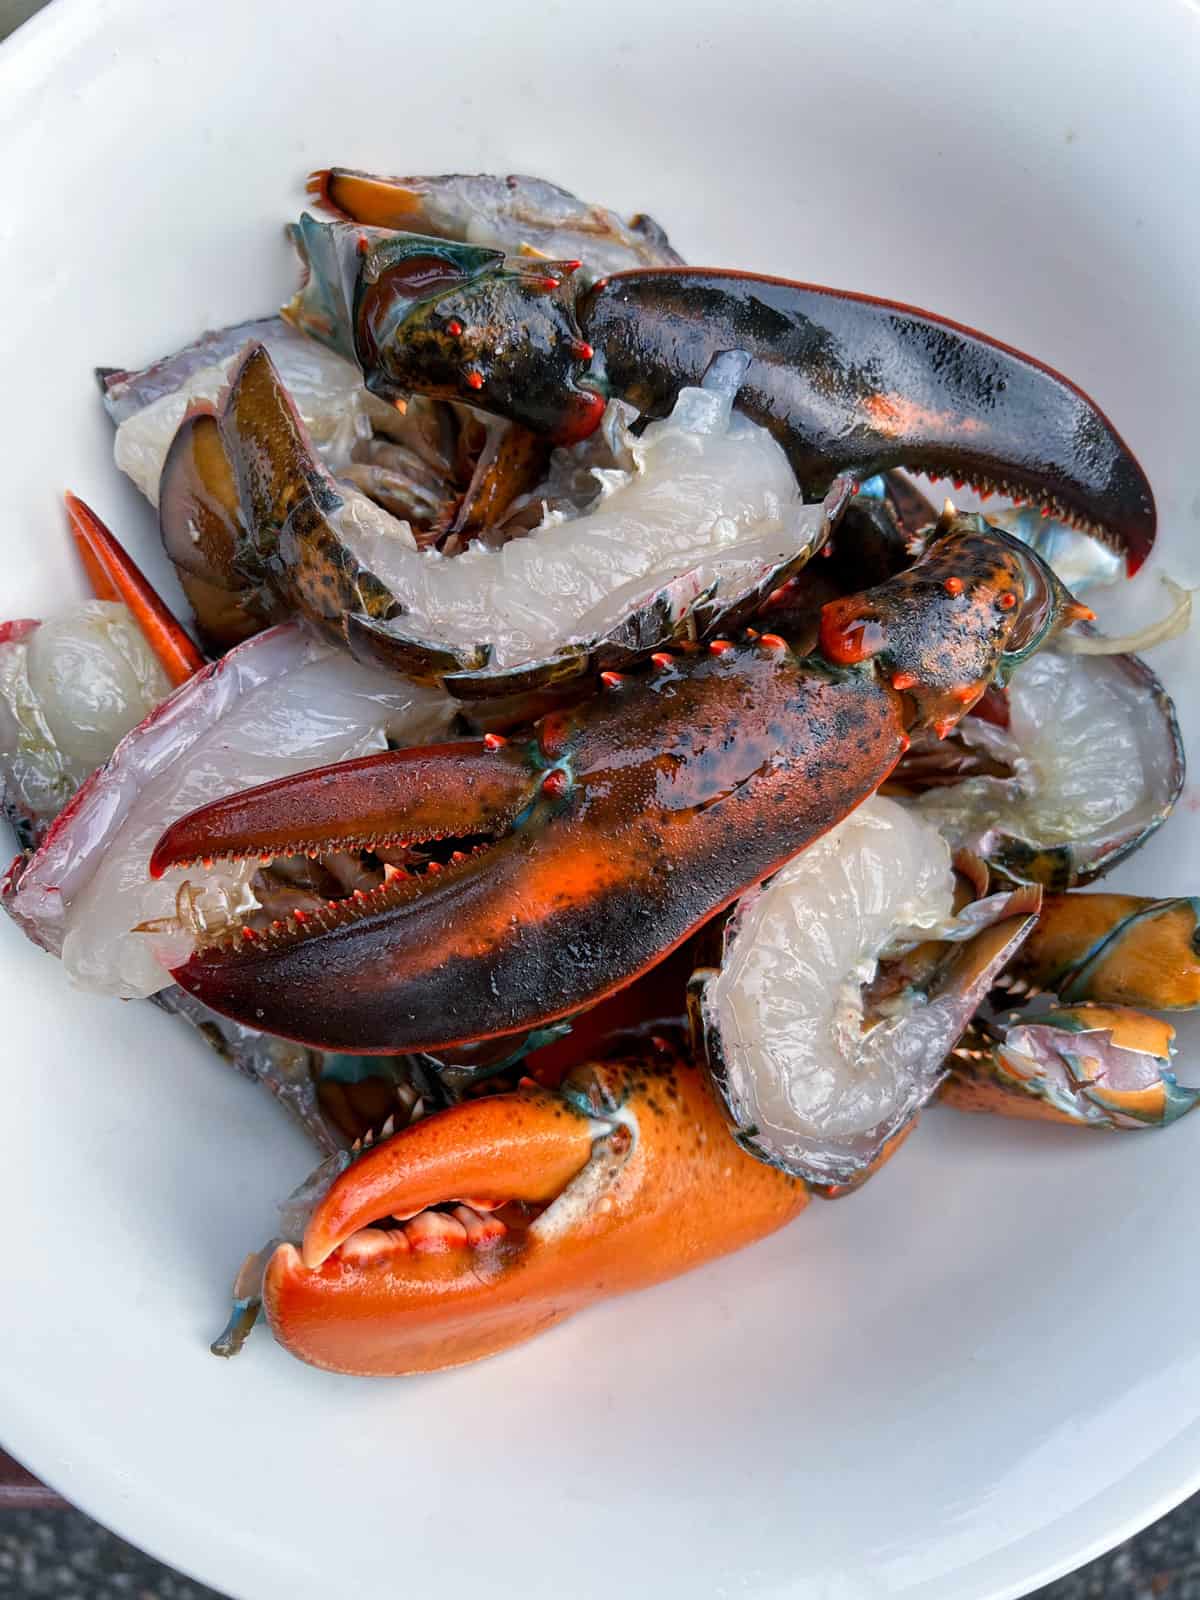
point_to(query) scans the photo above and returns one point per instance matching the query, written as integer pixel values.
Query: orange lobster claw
(628, 1177)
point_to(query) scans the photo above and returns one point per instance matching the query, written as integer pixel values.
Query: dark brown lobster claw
(850, 385)
(552, 871)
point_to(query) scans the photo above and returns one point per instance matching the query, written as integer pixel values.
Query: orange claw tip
(526, 1146)
(1074, 611)
(115, 576)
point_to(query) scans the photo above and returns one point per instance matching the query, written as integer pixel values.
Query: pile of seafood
(596, 792)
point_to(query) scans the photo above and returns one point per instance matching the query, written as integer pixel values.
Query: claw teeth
(372, 1244)
(389, 1127)
(1049, 505)
(434, 1231)
(480, 1230)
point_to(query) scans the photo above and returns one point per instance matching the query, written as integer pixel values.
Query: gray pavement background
(64, 1555)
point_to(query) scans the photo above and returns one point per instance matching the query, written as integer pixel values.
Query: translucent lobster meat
(70, 688)
(817, 1078)
(1096, 764)
(148, 406)
(701, 496)
(279, 704)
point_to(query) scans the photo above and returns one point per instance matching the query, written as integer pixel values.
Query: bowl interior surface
(964, 1380)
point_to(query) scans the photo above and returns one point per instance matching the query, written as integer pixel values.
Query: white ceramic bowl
(965, 1380)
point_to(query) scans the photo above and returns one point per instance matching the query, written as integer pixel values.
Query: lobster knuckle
(1116, 949)
(430, 315)
(1088, 1066)
(940, 632)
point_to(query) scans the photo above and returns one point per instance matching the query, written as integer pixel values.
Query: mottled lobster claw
(624, 1178)
(535, 877)
(849, 384)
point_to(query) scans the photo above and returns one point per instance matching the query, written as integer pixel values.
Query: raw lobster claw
(848, 384)
(552, 870)
(624, 1178)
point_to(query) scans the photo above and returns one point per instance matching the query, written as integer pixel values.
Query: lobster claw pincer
(849, 384)
(852, 384)
(483, 1225)
(538, 875)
